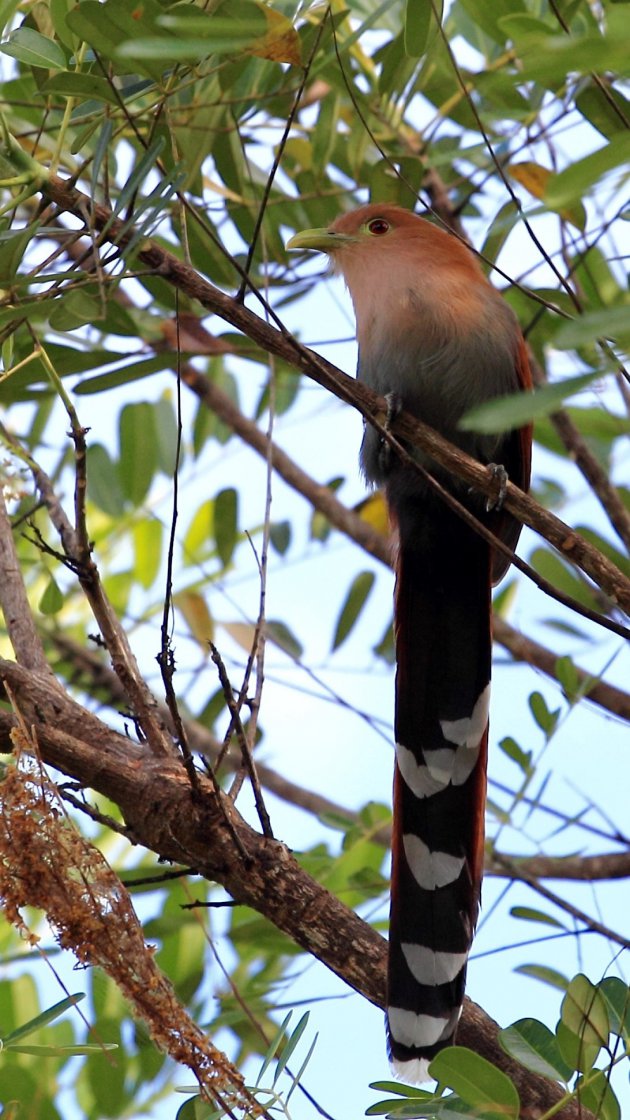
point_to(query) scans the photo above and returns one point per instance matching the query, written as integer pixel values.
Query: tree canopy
(196, 654)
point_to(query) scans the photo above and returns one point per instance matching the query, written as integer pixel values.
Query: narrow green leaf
(75, 310)
(503, 413)
(547, 975)
(567, 676)
(573, 183)
(417, 24)
(103, 484)
(13, 245)
(609, 322)
(147, 546)
(84, 86)
(355, 601)
(279, 633)
(123, 375)
(287, 1050)
(63, 1051)
(42, 1020)
(273, 1046)
(29, 46)
(480, 1084)
(533, 1045)
(530, 914)
(226, 524)
(138, 458)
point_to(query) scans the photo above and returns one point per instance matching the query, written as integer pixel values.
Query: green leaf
(545, 718)
(123, 375)
(477, 1082)
(226, 524)
(76, 309)
(504, 413)
(199, 534)
(103, 484)
(13, 245)
(609, 322)
(51, 601)
(533, 1045)
(279, 633)
(147, 546)
(595, 1094)
(355, 601)
(287, 1050)
(29, 46)
(573, 183)
(138, 458)
(42, 1020)
(530, 914)
(83, 86)
(522, 758)
(584, 1023)
(280, 536)
(547, 975)
(417, 24)
(617, 997)
(604, 107)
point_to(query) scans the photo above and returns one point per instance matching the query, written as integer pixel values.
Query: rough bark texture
(203, 830)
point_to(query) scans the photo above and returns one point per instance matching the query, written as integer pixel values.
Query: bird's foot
(500, 476)
(394, 408)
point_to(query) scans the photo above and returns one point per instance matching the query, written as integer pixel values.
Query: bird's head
(397, 265)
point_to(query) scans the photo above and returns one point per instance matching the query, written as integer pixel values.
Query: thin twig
(248, 761)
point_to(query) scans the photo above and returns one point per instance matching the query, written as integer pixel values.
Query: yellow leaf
(531, 176)
(536, 179)
(281, 43)
(374, 511)
(243, 633)
(198, 618)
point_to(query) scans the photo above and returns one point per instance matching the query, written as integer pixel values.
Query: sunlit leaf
(194, 608)
(33, 48)
(533, 1045)
(477, 1082)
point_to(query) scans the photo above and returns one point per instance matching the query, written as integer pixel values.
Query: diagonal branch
(374, 408)
(165, 816)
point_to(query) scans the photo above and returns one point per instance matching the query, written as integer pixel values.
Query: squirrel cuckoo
(436, 338)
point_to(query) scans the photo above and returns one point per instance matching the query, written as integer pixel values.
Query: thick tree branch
(165, 815)
(92, 675)
(277, 341)
(14, 602)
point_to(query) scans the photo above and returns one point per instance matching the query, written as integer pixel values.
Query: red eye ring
(378, 226)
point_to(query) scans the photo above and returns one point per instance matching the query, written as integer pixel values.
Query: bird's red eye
(378, 226)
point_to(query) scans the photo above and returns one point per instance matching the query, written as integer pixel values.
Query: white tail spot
(468, 732)
(419, 1031)
(416, 775)
(431, 967)
(414, 1072)
(431, 869)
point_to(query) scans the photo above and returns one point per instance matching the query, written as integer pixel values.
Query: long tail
(443, 652)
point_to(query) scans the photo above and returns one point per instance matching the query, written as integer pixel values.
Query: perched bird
(437, 338)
